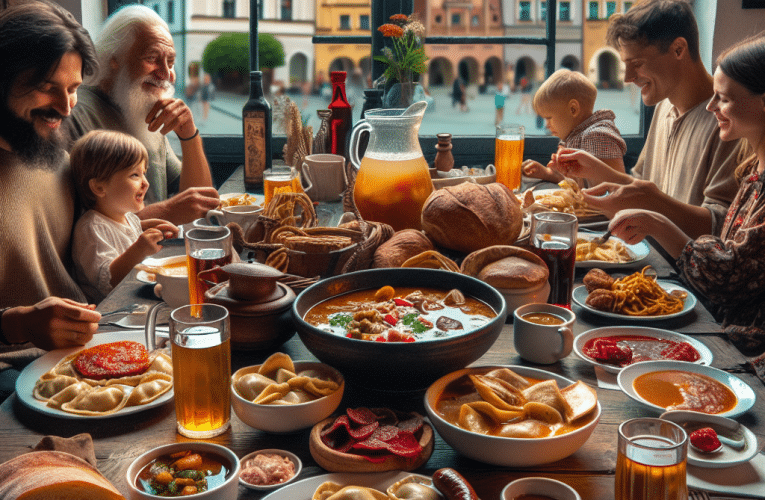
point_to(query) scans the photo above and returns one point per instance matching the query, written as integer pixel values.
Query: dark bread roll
(504, 266)
(469, 216)
(402, 246)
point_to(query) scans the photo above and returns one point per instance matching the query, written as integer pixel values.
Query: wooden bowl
(334, 461)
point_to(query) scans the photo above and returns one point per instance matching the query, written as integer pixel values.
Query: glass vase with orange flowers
(404, 58)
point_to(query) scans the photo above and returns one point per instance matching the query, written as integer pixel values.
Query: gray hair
(119, 32)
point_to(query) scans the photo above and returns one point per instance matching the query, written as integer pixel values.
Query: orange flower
(399, 18)
(391, 30)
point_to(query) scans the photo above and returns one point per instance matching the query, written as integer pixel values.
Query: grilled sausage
(452, 485)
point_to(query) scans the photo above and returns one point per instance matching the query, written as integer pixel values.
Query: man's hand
(52, 323)
(171, 114)
(610, 197)
(184, 207)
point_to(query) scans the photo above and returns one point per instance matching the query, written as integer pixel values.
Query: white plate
(639, 253)
(728, 456)
(608, 331)
(580, 295)
(259, 198)
(745, 395)
(305, 488)
(143, 277)
(25, 384)
(294, 458)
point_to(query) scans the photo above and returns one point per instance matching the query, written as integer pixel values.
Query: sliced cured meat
(117, 359)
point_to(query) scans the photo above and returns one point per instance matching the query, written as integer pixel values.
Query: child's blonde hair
(564, 85)
(100, 154)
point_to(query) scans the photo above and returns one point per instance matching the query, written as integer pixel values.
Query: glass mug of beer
(201, 349)
(553, 236)
(206, 248)
(508, 154)
(281, 179)
(651, 460)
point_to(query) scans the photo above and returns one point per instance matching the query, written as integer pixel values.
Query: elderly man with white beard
(133, 93)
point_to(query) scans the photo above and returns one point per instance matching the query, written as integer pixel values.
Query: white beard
(135, 104)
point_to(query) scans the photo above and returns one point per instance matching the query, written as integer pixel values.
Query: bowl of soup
(398, 329)
(202, 471)
(512, 416)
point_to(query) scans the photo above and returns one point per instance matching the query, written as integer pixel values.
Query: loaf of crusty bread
(505, 266)
(53, 475)
(402, 246)
(468, 216)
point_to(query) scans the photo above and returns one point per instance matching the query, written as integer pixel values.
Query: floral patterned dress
(730, 270)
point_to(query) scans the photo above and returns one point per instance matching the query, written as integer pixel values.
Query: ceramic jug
(393, 180)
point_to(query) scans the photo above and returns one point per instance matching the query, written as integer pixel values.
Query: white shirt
(96, 242)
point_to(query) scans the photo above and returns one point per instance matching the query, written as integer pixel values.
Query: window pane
(627, 6)
(593, 13)
(610, 8)
(542, 11)
(364, 22)
(456, 19)
(524, 11)
(345, 22)
(565, 11)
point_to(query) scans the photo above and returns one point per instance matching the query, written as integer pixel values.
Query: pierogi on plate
(502, 403)
(411, 487)
(64, 387)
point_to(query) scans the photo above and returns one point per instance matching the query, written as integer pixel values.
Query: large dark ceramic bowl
(398, 366)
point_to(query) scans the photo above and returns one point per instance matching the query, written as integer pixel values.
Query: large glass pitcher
(393, 180)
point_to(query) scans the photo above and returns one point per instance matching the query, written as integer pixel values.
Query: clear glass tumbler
(206, 248)
(553, 236)
(508, 154)
(201, 349)
(651, 460)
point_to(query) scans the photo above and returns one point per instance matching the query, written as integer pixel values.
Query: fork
(698, 495)
(602, 239)
(121, 310)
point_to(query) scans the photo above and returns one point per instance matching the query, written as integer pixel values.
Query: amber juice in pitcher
(393, 191)
(393, 180)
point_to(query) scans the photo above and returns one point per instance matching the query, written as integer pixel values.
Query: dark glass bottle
(372, 100)
(256, 119)
(341, 120)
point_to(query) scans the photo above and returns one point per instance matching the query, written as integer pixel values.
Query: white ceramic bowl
(227, 491)
(174, 290)
(262, 487)
(539, 486)
(280, 419)
(508, 452)
(517, 297)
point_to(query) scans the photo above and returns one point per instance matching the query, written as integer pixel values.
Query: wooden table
(590, 470)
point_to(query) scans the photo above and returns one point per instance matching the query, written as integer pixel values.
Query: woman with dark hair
(729, 271)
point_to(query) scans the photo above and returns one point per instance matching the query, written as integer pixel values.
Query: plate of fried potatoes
(613, 253)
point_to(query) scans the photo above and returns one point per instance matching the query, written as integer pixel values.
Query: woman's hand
(633, 225)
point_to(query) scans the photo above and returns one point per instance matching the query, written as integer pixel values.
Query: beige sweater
(685, 157)
(36, 217)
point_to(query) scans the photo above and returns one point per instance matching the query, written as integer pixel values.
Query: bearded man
(133, 93)
(44, 54)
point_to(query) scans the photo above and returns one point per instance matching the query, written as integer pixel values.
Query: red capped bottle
(341, 120)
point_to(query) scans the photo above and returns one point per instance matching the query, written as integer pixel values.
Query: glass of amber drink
(206, 248)
(508, 154)
(280, 179)
(651, 460)
(201, 350)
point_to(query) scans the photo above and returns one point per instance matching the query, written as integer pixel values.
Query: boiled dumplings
(276, 383)
(63, 388)
(410, 488)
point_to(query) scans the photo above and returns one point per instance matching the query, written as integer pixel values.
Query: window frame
(227, 151)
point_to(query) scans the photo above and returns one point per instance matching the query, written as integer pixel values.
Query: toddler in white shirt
(109, 171)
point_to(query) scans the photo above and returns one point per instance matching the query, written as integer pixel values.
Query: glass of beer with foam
(201, 348)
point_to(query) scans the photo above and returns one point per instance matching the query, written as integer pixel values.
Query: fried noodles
(640, 295)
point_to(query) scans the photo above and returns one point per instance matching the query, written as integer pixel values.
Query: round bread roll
(469, 216)
(402, 246)
(504, 266)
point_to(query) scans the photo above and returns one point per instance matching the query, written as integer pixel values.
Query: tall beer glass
(201, 349)
(508, 154)
(651, 460)
(206, 248)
